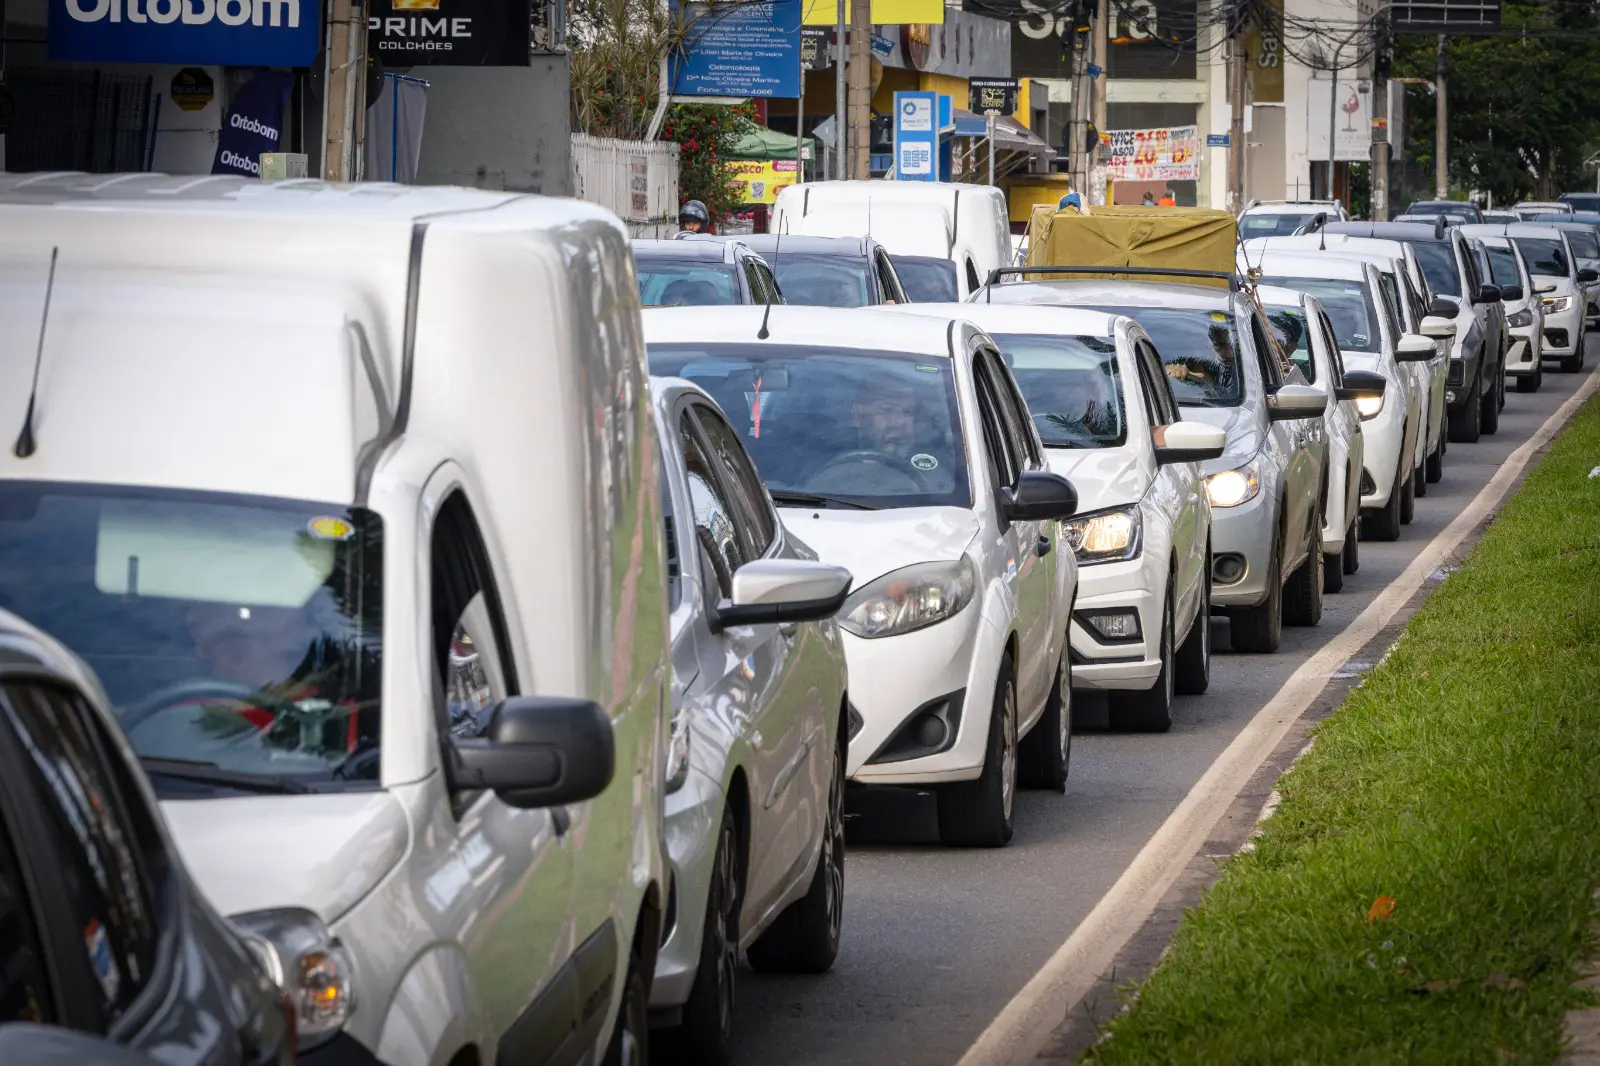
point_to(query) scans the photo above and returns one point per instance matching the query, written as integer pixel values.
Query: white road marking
(1020, 1030)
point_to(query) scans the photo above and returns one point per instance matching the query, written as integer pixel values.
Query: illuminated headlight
(1369, 406)
(1558, 303)
(1230, 488)
(1523, 317)
(678, 751)
(909, 599)
(310, 965)
(1106, 537)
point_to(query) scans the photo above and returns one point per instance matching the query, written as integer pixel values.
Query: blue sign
(882, 47)
(1216, 140)
(916, 136)
(745, 49)
(254, 124)
(232, 33)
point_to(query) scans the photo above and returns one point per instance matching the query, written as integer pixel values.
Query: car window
(1015, 412)
(1389, 303)
(96, 860)
(888, 281)
(1271, 359)
(720, 547)
(743, 485)
(1469, 265)
(769, 284)
(1289, 326)
(824, 280)
(1545, 255)
(973, 282)
(926, 279)
(24, 987)
(1349, 305)
(1072, 387)
(1199, 350)
(670, 537)
(1003, 460)
(1438, 267)
(237, 630)
(1159, 385)
(1335, 357)
(1273, 224)
(752, 280)
(1419, 310)
(470, 641)
(1584, 243)
(665, 282)
(1503, 265)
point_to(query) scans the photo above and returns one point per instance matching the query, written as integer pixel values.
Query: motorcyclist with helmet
(694, 218)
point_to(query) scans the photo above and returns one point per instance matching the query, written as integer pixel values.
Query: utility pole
(1441, 134)
(1333, 108)
(344, 107)
(1097, 92)
(841, 167)
(1380, 125)
(1236, 145)
(860, 78)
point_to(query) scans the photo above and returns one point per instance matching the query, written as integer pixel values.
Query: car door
(1346, 446)
(751, 668)
(1290, 442)
(1176, 491)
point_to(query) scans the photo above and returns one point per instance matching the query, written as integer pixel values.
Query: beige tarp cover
(1184, 238)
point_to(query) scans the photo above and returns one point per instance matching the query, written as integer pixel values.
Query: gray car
(1267, 490)
(755, 776)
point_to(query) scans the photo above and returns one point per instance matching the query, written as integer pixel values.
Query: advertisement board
(1169, 153)
(746, 49)
(916, 136)
(759, 182)
(450, 33)
(992, 96)
(1350, 116)
(234, 33)
(884, 12)
(1149, 40)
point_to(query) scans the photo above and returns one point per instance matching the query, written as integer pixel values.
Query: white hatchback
(899, 448)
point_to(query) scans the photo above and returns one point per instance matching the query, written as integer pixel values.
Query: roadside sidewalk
(1424, 892)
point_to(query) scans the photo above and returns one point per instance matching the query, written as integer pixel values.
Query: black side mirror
(1487, 294)
(540, 751)
(1038, 497)
(1511, 293)
(1360, 384)
(50, 1045)
(1588, 274)
(1444, 307)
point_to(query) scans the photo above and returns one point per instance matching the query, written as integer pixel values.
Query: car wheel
(1500, 387)
(1149, 711)
(630, 1040)
(805, 938)
(1408, 498)
(1573, 363)
(1302, 597)
(1490, 422)
(1046, 756)
(978, 814)
(1260, 628)
(1419, 479)
(1464, 424)
(1352, 547)
(1531, 382)
(706, 1032)
(1433, 466)
(1193, 661)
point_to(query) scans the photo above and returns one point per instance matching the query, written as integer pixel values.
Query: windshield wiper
(812, 499)
(209, 773)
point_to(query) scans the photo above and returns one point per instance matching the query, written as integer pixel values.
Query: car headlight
(308, 963)
(1558, 303)
(1106, 537)
(908, 599)
(1523, 317)
(678, 751)
(1369, 406)
(1230, 488)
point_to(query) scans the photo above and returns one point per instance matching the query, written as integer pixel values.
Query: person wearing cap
(694, 218)
(1072, 200)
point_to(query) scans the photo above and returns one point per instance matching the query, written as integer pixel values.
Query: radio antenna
(26, 445)
(763, 333)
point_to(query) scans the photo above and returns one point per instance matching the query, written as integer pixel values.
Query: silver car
(760, 723)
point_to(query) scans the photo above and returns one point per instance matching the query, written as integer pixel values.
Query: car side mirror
(1296, 401)
(1444, 307)
(1487, 294)
(1361, 385)
(770, 591)
(1511, 293)
(539, 751)
(1588, 274)
(52, 1045)
(1188, 442)
(1039, 497)
(1439, 327)
(1543, 290)
(1415, 348)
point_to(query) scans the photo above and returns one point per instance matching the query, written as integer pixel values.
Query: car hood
(320, 852)
(871, 543)
(1242, 427)
(1104, 477)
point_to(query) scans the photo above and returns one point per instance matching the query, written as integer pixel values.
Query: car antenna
(763, 333)
(26, 445)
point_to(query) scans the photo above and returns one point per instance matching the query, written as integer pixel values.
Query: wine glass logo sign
(1351, 105)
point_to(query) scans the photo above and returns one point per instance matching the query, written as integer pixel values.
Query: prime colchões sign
(243, 33)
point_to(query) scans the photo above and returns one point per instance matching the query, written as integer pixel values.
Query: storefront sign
(254, 124)
(884, 12)
(759, 182)
(746, 49)
(192, 89)
(992, 96)
(816, 48)
(1149, 40)
(1165, 154)
(1263, 44)
(916, 136)
(236, 33)
(450, 33)
(964, 45)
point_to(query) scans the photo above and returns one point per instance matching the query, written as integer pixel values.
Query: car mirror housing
(1510, 293)
(1588, 274)
(539, 751)
(1487, 294)
(1444, 307)
(1038, 496)
(1438, 327)
(1415, 348)
(1361, 384)
(1188, 442)
(772, 591)
(1296, 401)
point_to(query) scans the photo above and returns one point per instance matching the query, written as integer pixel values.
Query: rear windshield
(1462, 210)
(823, 280)
(1349, 307)
(674, 283)
(1544, 255)
(1199, 348)
(1071, 385)
(1503, 265)
(1582, 201)
(1438, 266)
(1272, 224)
(927, 280)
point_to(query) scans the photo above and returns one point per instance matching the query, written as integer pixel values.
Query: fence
(636, 179)
(80, 120)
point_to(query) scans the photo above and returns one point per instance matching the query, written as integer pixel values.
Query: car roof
(1284, 207)
(1511, 229)
(1394, 231)
(695, 251)
(1132, 293)
(766, 244)
(1015, 318)
(1351, 266)
(831, 327)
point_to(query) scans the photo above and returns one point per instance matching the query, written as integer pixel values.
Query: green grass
(1462, 779)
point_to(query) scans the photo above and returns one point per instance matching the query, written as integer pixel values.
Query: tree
(705, 134)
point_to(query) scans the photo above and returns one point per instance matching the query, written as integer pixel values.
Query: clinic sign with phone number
(916, 136)
(1168, 153)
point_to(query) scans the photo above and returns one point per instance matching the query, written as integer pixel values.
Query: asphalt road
(937, 941)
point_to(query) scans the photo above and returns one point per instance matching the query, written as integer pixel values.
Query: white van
(971, 229)
(349, 496)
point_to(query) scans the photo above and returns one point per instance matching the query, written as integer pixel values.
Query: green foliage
(705, 133)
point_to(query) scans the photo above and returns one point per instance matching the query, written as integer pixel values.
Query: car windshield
(1582, 201)
(927, 280)
(1071, 385)
(1438, 267)
(1199, 349)
(1544, 255)
(823, 280)
(1289, 326)
(1503, 265)
(1349, 307)
(673, 283)
(239, 634)
(1273, 223)
(836, 425)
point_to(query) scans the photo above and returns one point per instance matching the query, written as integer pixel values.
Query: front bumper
(1384, 436)
(691, 820)
(1138, 585)
(1563, 332)
(1530, 352)
(1245, 532)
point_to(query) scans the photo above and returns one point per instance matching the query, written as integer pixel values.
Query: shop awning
(1009, 134)
(765, 146)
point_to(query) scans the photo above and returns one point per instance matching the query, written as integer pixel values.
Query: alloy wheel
(724, 926)
(833, 849)
(1008, 751)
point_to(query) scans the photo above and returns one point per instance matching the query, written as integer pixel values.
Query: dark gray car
(101, 929)
(826, 271)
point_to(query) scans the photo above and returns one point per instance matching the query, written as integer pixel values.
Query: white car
(1558, 281)
(1103, 406)
(1524, 311)
(1279, 218)
(1366, 327)
(899, 448)
(755, 767)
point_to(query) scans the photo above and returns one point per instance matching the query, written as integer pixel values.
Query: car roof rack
(1234, 284)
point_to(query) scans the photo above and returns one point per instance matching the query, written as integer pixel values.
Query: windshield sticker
(924, 461)
(927, 369)
(1218, 316)
(327, 527)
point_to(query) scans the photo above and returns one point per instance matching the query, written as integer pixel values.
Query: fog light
(1368, 486)
(1112, 625)
(1450, 396)
(1227, 569)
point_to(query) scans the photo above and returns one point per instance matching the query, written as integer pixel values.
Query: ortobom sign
(238, 33)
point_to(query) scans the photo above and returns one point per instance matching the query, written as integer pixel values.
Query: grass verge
(1461, 781)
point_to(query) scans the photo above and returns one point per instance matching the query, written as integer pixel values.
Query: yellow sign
(1263, 44)
(761, 181)
(884, 12)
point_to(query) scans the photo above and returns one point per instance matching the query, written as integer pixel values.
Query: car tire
(1433, 466)
(1333, 571)
(979, 814)
(1501, 386)
(706, 1031)
(1419, 479)
(1384, 524)
(1465, 426)
(1490, 421)
(1352, 547)
(1046, 752)
(805, 937)
(630, 1039)
(1260, 628)
(1573, 364)
(1149, 711)
(1193, 661)
(1408, 498)
(1531, 382)
(1302, 596)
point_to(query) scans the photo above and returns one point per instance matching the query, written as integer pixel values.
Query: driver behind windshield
(898, 448)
